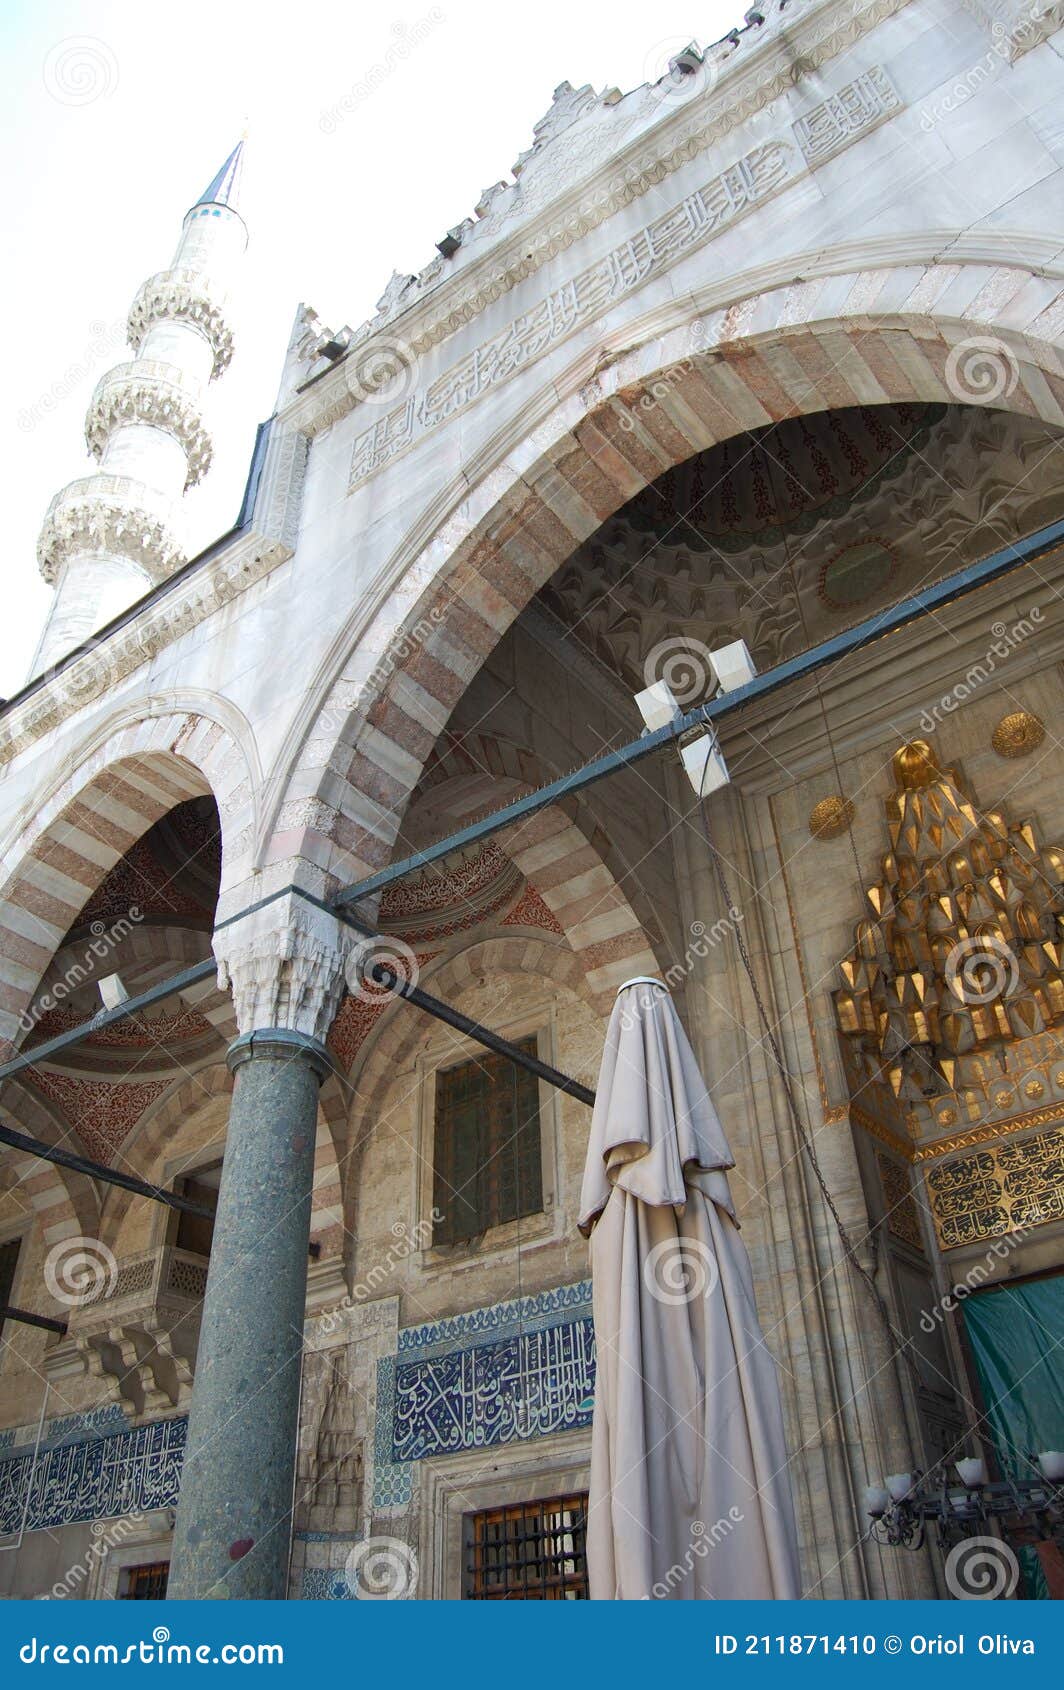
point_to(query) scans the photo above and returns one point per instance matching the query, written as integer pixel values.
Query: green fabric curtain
(1017, 1339)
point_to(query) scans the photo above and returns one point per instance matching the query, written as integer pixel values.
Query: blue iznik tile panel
(326, 1584)
(500, 1320)
(130, 1472)
(65, 1429)
(535, 1379)
(518, 1369)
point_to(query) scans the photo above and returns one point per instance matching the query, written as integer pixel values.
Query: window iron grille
(146, 1583)
(532, 1552)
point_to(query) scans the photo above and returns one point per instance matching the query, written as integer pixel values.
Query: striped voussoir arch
(387, 1051)
(64, 1204)
(149, 1147)
(562, 851)
(53, 867)
(897, 332)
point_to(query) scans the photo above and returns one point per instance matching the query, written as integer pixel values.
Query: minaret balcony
(113, 516)
(158, 395)
(184, 296)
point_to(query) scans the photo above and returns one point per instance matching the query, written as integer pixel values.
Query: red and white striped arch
(871, 336)
(58, 859)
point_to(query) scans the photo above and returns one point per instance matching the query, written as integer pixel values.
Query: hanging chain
(804, 1137)
(901, 1345)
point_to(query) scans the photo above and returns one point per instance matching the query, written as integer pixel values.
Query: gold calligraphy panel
(1002, 1188)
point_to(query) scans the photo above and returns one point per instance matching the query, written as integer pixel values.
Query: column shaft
(234, 1513)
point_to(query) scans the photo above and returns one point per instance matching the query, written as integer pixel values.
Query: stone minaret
(108, 537)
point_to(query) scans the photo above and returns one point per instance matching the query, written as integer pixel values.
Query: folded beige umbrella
(690, 1497)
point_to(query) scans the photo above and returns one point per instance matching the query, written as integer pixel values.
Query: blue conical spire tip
(224, 189)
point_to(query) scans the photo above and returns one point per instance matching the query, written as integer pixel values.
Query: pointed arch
(886, 334)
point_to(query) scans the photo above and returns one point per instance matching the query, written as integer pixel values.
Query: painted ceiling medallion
(1018, 734)
(855, 573)
(830, 817)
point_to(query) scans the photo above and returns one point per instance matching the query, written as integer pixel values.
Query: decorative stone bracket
(285, 967)
(139, 1337)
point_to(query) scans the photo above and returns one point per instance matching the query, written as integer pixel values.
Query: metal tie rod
(96, 1170)
(107, 1018)
(817, 657)
(28, 1319)
(955, 586)
(385, 976)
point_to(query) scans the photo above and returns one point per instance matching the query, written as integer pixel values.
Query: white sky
(101, 171)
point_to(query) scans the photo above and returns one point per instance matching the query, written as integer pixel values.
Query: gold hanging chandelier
(959, 961)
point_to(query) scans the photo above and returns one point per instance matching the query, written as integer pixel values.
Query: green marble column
(234, 1512)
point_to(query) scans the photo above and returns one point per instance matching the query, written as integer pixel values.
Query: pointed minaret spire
(225, 188)
(108, 537)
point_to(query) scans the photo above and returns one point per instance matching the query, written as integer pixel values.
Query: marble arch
(871, 336)
(58, 858)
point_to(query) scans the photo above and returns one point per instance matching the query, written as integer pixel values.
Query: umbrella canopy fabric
(690, 1497)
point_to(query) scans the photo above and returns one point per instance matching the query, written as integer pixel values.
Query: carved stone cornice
(113, 515)
(745, 76)
(154, 393)
(986, 1133)
(182, 296)
(267, 542)
(284, 965)
(1015, 26)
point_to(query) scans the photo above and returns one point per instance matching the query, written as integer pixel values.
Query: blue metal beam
(976, 575)
(874, 628)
